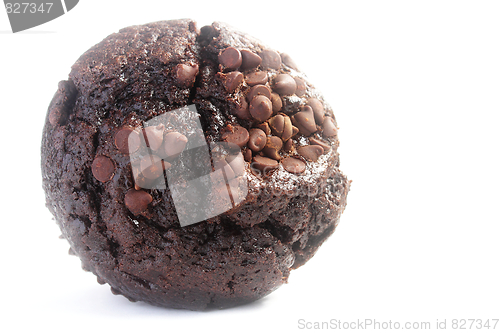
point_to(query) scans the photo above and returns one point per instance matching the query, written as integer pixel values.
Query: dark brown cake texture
(125, 230)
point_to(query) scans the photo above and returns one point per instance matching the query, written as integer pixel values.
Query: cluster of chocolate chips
(263, 82)
(155, 148)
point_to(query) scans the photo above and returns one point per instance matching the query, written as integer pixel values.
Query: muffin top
(257, 113)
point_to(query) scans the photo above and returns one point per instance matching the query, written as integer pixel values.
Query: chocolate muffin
(152, 110)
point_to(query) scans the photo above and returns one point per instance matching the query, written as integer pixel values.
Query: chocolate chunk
(264, 164)
(284, 84)
(127, 140)
(310, 153)
(247, 154)
(304, 121)
(221, 163)
(237, 135)
(318, 109)
(270, 59)
(232, 80)
(259, 77)
(208, 31)
(295, 131)
(261, 108)
(293, 165)
(287, 129)
(258, 90)
(137, 201)
(103, 168)
(154, 136)
(151, 166)
(230, 58)
(62, 103)
(301, 87)
(241, 109)
(139, 180)
(265, 128)
(174, 144)
(257, 140)
(274, 142)
(277, 124)
(288, 146)
(185, 74)
(287, 60)
(325, 145)
(329, 128)
(237, 163)
(249, 60)
(277, 102)
(272, 148)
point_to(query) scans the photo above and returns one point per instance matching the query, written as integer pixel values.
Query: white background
(415, 87)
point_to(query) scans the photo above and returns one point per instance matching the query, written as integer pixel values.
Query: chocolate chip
(274, 142)
(62, 103)
(310, 153)
(277, 102)
(174, 144)
(265, 128)
(137, 201)
(247, 154)
(258, 90)
(259, 77)
(249, 60)
(232, 80)
(277, 124)
(141, 181)
(127, 141)
(318, 109)
(237, 163)
(301, 87)
(185, 74)
(304, 121)
(284, 84)
(287, 129)
(264, 164)
(239, 190)
(329, 128)
(270, 59)
(288, 146)
(103, 168)
(230, 58)
(325, 145)
(272, 148)
(151, 166)
(287, 60)
(293, 165)
(257, 140)
(221, 164)
(295, 131)
(154, 136)
(241, 109)
(208, 32)
(261, 108)
(237, 135)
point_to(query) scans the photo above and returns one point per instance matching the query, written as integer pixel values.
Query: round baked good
(154, 108)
